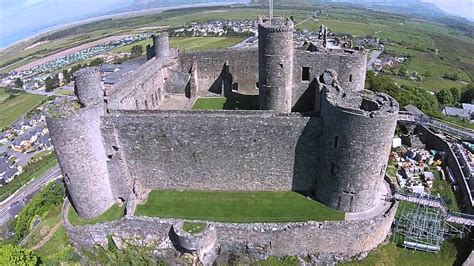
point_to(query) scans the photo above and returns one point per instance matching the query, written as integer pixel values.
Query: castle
(317, 132)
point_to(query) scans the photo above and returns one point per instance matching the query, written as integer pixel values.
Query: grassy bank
(243, 207)
(113, 214)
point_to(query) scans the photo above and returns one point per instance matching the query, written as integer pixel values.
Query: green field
(113, 214)
(12, 107)
(190, 43)
(242, 207)
(429, 84)
(30, 172)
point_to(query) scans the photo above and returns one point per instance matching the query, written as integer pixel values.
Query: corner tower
(357, 132)
(75, 129)
(161, 46)
(275, 54)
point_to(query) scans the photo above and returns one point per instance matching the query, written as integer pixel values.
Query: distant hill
(281, 2)
(408, 7)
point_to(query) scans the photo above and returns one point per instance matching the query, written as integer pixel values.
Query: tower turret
(357, 132)
(88, 87)
(275, 53)
(161, 46)
(75, 129)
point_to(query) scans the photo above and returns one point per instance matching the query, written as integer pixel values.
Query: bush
(51, 197)
(14, 255)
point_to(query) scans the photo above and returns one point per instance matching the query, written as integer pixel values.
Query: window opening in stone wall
(333, 168)
(153, 100)
(350, 78)
(305, 74)
(136, 104)
(336, 142)
(146, 105)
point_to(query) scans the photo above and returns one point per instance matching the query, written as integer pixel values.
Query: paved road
(372, 57)
(14, 204)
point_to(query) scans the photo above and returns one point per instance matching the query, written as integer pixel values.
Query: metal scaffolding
(425, 228)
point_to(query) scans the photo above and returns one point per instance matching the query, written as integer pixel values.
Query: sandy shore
(115, 16)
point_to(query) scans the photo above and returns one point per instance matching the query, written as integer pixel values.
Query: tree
(457, 93)
(66, 76)
(96, 62)
(137, 50)
(51, 83)
(14, 255)
(445, 97)
(468, 94)
(18, 83)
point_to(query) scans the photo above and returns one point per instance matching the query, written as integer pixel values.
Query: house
(44, 143)
(467, 111)
(5, 137)
(7, 171)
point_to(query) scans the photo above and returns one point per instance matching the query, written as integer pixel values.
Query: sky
(462, 8)
(20, 19)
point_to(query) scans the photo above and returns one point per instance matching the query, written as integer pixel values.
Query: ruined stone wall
(350, 69)
(257, 241)
(78, 143)
(215, 150)
(141, 90)
(356, 142)
(242, 68)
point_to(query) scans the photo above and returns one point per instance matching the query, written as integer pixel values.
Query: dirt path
(48, 237)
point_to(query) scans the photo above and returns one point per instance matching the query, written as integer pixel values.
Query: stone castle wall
(242, 68)
(244, 73)
(143, 89)
(257, 241)
(350, 68)
(206, 150)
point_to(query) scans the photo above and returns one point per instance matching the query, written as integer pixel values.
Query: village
(21, 143)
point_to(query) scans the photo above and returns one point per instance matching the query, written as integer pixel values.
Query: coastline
(122, 15)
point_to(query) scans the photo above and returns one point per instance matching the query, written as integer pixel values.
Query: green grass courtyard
(239, 207)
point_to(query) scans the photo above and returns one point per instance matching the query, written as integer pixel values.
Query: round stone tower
(75, 129)
(275, 54)
(88, 87)
(357, 133)
(161, 45)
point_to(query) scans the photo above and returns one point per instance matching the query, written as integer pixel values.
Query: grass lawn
(13, 107)
(241, 207)
(194, 228)
(391, 254)
(443, 188)
(189, 43)
(113, 214)
(221, 103)
(58, 250)
(32, 171)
